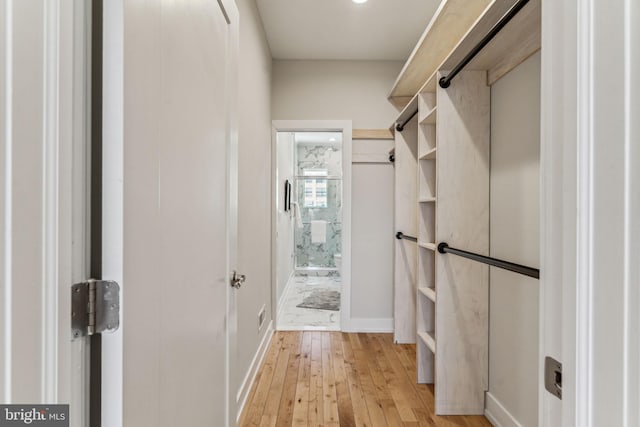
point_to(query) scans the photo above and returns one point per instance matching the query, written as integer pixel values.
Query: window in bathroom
(315, 188)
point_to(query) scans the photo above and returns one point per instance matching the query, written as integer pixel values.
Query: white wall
(357, 91)
(285, 221)
(372, 245)
(330, 90)
(254, 192)
(515, 175)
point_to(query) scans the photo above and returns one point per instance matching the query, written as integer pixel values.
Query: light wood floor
(333, 378)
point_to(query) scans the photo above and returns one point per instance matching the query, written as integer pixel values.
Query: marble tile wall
(320, 255)
(319, 157)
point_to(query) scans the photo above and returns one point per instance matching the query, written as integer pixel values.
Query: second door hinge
(95, 307)
(553, 376)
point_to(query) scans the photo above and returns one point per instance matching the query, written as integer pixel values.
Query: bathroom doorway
(312, 219)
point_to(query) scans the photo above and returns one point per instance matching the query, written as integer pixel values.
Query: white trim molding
(254, 367)
(50, 185)
(285, 293)
(497, 414)
(7, 195)
(344, 126)
(370, 325)
(631, 360)
(590, 204)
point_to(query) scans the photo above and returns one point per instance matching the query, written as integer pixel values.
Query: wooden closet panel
(462, 219)
(406, 194)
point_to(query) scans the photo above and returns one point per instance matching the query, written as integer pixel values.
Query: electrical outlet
(261, 316)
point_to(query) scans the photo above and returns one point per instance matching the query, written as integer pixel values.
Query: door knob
(237, 280)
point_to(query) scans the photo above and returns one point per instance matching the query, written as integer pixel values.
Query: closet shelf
(429, 155)
(427, 338)
(448, 25)
(431, 85)
(428, 292)
(408, 112)
(518, 40)
(430, 117)
(426, 199)
(430, 246)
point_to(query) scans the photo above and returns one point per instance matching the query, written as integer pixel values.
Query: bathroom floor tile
(292, 318)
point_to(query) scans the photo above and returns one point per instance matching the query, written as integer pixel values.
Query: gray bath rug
(322, 300)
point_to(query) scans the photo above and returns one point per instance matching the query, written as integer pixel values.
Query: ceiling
(318, 138)
(341, 29)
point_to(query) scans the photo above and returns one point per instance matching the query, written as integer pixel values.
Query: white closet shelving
(446, 149)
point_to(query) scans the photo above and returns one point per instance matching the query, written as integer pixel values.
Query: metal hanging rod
(400, 125)
(445, 82)
(400, 235)
(444, 248)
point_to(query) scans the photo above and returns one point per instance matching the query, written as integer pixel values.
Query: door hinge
(553, 376)
(95, 307)
(237, 279)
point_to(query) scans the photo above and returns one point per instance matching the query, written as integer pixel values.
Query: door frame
(60, 364)
(590, 202)
(346, 127)
(112, 179)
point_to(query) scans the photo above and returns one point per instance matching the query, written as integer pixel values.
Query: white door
(169, 210)
(590, 209)
(42, 200)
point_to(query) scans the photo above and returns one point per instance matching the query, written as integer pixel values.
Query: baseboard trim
(369, 325)
(283, 297)
(245, 388)
(497, 414)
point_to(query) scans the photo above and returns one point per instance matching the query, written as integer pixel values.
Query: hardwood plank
(407, 378)
(449, 421)
(374, 407)
(276, 389)
(285, 412)
(360, 411)
(252, 414)
(407, 363)
(382, 392)
(330, 401)
(301, 403)
(346, 416)
(268, 421)
(391, 413)
(424, 417)
(346, 380)
(394, 385)
(316, 410)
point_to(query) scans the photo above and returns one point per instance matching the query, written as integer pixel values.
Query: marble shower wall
(319, 255)
(319, 157)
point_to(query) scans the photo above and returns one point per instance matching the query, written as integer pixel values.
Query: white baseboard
(283, 297)
(245, 388)
(369, 325)
(498, 414)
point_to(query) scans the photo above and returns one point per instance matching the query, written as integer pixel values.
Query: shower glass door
(318, 193)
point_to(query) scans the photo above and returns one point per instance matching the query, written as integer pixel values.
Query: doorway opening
(310, 232)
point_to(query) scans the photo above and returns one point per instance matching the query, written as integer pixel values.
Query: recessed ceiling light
(359, 1)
